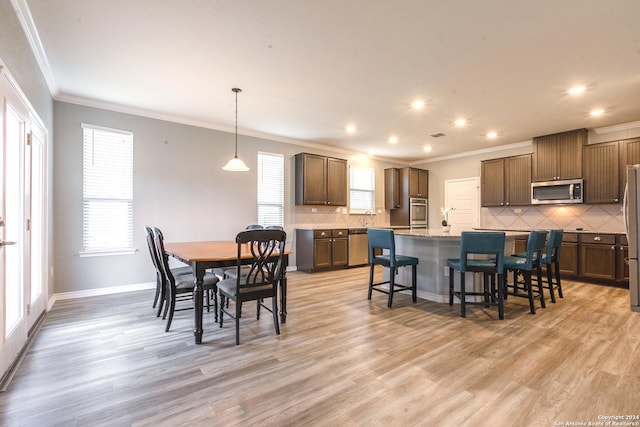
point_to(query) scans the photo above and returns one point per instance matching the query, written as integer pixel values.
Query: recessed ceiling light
(427, 148)
(393, 139)
(460, 122)
(576, 90)
(492, 135)
(351, 129)
(418, 104)
(597, 112)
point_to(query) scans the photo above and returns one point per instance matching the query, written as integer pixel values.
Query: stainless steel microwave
(557, 192)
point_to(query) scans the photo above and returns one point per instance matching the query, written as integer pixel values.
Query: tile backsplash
(600, 218)
(332, 217)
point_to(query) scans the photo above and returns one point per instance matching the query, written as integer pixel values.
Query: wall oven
(552, 192)
(418, 213)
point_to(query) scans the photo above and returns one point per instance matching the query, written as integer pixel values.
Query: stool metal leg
(463, 296)
(414, 289)
(370, 280)
(392, 280)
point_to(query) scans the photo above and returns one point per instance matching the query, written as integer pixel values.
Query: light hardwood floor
(340, 360)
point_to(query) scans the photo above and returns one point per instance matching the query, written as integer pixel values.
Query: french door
(22, 220)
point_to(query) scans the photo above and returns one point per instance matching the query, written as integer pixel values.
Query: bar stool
(380, 238)
(479, 243)
(524, 266)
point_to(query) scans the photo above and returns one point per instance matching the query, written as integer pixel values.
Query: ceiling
(309, 68)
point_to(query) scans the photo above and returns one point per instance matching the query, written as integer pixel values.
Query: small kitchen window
(107, 189)
(270, 189)
(362, 184)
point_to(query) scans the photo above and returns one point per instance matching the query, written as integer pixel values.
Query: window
(107, 190)
(361, 190)
(270, 189)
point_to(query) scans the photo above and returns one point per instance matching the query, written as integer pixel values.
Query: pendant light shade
(235, 164)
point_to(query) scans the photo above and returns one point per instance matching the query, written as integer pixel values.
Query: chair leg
(172, 307)
(527, 281)
(215, 304)
(370, 280)
(450, 286)
(392, 281)
(557, 270)
(463, 296)
(500, 297)
(540, 287)
(238, 310)
(414, 286)
(155, 299)
(485, 288)
(550, 282)
(274, 310)
(221, 309)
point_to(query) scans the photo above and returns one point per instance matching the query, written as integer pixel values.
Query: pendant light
(235, 164)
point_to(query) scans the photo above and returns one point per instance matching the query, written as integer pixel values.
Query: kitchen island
(433, 247)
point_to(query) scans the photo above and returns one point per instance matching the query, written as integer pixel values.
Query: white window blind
(107, 188)
(270, 189)
(361, 190)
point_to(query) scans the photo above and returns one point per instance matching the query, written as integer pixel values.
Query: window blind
(361, 190)
(270, 189)
(107, 188)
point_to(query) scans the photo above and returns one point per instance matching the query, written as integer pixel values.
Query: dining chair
(180, 288)
(384, 239)
(260, 279)
(176, 271)
(480, 252)
(230, 272)
(524, 266)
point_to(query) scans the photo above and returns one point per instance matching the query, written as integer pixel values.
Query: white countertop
(437, 233)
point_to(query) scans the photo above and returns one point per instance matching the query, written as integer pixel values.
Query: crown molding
(616, 128)
(29, 27)
(495, 149)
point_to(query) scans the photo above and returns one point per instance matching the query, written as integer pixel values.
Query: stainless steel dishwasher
(358, 247)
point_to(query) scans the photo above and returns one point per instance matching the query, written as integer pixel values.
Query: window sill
(84, 254)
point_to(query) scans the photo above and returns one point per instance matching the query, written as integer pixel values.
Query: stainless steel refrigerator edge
(631, 213)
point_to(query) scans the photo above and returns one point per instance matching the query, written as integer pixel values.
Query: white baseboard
(100, 291)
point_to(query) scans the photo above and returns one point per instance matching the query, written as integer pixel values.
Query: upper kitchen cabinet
(392, 188)
(418, 183)
(320, 180)
(506, 181)
(629, 155)
(558, 156)
(601, 173)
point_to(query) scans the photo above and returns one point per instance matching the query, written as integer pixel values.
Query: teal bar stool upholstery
(384, 239)
(551, 259)
(479, 243)
(524, 266)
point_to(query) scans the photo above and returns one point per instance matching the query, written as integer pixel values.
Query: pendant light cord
(236, 90)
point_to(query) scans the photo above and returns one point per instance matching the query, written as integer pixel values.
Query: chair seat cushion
(401, 260)
(512, 262)
(180, 271)
(186, 281)
(228, 287)
(473, 264)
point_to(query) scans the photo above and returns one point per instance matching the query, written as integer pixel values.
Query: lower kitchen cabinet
(622, 268)
(598, 256)
(321, 249)
(569, 255)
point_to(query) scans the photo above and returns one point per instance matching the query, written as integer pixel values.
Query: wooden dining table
(203, 255)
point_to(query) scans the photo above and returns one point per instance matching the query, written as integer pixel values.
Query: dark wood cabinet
(601, 172)
(320, 180)
(418, 183)
(598, 256)
(558, 156)
(321, 249)
(622, 268)
(412, 183)
(392, 188)
(506, 181)
(569, 255)
(629, 155)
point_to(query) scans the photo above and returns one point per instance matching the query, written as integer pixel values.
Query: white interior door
(463, 195)
(22, 230)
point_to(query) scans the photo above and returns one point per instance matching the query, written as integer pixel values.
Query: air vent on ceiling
(438, 135)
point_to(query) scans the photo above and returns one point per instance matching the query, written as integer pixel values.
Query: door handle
(6, 243)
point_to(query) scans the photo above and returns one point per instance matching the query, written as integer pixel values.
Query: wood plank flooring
(340, 361)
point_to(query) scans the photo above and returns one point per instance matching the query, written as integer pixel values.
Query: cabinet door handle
(613, 248)
(507, 203)
(616, 200)
(597, 238)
